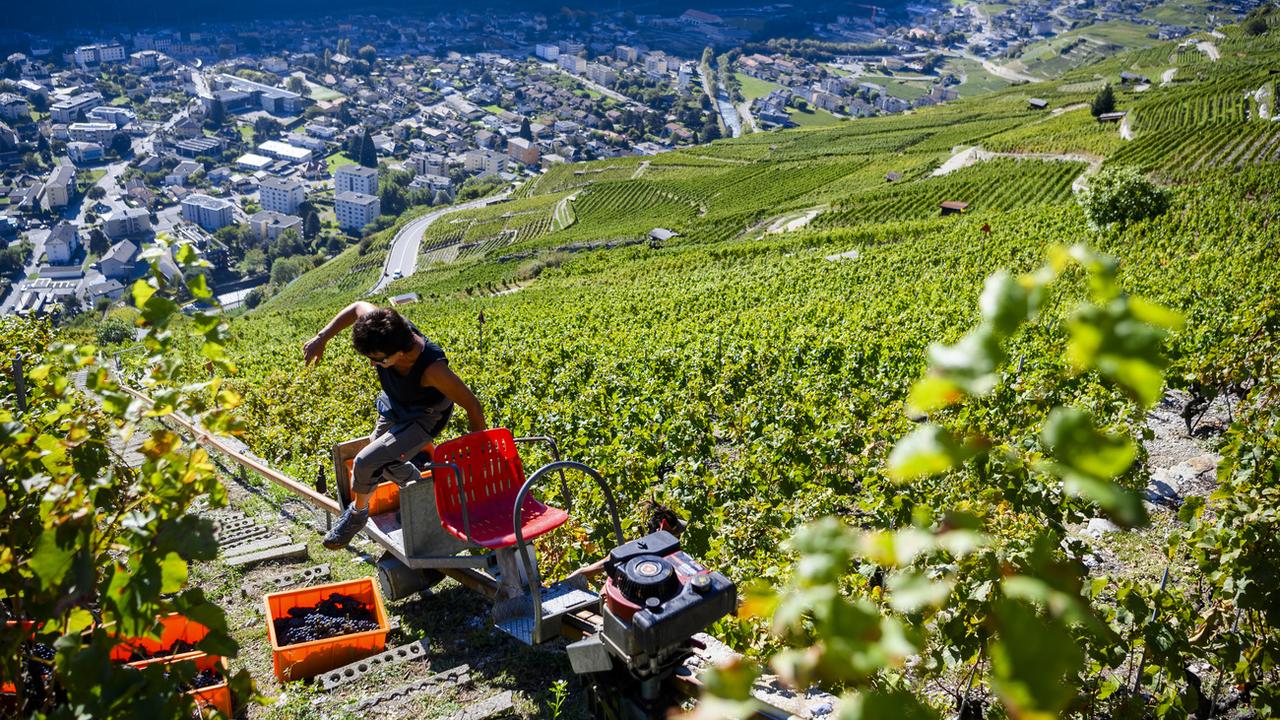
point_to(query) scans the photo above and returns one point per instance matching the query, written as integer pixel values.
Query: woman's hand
(313, 350)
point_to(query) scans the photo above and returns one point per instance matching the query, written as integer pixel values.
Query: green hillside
(752, 371)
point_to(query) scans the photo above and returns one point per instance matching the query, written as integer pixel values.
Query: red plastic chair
(480, 509)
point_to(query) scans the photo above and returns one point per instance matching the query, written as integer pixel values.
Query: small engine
(656, 597)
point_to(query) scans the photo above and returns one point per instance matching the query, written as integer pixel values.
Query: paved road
(403, 258)
(613, 94)
(1000, 71)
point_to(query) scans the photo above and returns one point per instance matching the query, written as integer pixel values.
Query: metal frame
(555, 457)
(531, 571)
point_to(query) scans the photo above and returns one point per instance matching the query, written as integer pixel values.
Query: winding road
(402, 260)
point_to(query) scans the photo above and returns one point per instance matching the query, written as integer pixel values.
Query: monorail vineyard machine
(473, 516)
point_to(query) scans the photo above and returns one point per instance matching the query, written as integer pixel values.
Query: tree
(368, 53)
(1121, 195)
(217, 114)
(285, 269)
(121, 144)
(441, 198)
(526, 131)
(392, 199)
(82, 575)
(368, 154)
(710, 130)
(99, 243)
(296, 84)
(96, 192)
(112, 330)
(1255, 26)
(311, 225)
(40, 102)
(265, 128)
(1104, 102)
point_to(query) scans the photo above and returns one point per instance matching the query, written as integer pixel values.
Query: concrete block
(284, 552)
(356, 670)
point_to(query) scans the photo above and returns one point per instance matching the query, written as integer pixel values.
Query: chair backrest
(490, 466)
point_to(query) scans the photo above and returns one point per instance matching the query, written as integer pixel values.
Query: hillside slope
(751, 372)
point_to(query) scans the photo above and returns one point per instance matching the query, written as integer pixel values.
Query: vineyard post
(19, 383)
(322, 487)
(480, 324)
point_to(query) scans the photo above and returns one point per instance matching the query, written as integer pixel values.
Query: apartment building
(282, 195)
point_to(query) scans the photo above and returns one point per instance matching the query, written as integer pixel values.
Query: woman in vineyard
(418, 394)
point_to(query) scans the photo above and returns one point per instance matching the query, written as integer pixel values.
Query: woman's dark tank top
(403, 397)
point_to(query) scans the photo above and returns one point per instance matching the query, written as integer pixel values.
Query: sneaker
(351, 522)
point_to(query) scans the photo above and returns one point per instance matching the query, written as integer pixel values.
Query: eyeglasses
(380, 360)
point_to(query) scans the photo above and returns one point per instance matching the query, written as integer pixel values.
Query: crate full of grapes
(208, 687)
(320, 628)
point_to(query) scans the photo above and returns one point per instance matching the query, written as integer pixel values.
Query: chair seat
(491, 522)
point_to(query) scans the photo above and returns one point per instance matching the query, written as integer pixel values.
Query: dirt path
(1069, 108)
(639, 171)
(1126, 132)
(1209, 49)
(965, 157)
(1167, 76)
(792, 221)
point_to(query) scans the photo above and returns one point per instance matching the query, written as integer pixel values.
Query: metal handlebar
(555, 457)
(531, 570)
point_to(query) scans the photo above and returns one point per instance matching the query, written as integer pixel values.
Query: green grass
(493, 109)
(337, 160)
(246, 134)
(812, 118)
(120, 101)
(753, 88)
(977, 81)
(320, 93)
(905, 89)
(1193, 13)
(1086, 45)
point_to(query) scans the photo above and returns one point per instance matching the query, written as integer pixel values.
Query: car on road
(397, 275)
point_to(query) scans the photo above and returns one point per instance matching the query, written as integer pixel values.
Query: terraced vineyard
(759, 383)
(999, 184)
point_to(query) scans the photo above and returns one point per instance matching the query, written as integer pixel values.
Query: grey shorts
(391, 448)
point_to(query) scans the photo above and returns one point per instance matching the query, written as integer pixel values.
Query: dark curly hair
(383, 331)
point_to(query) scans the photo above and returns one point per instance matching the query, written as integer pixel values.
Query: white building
(602, 74)
(82, 153)
(92, 132)
(60, 187)
(127, 222)
(572, 63)
(547, 51)
(62, 244)
(282, 195)
(355, 210)
(13, 106)
(117, 116)
(268, 225)
(94, 54)
(356, 179)
(208, 212)
(487, 162)
(68, 110)
(284, 151)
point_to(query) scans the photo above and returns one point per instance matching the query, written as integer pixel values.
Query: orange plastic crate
(214, 696)
(175, 628)
(7, 687)
(304, 660)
